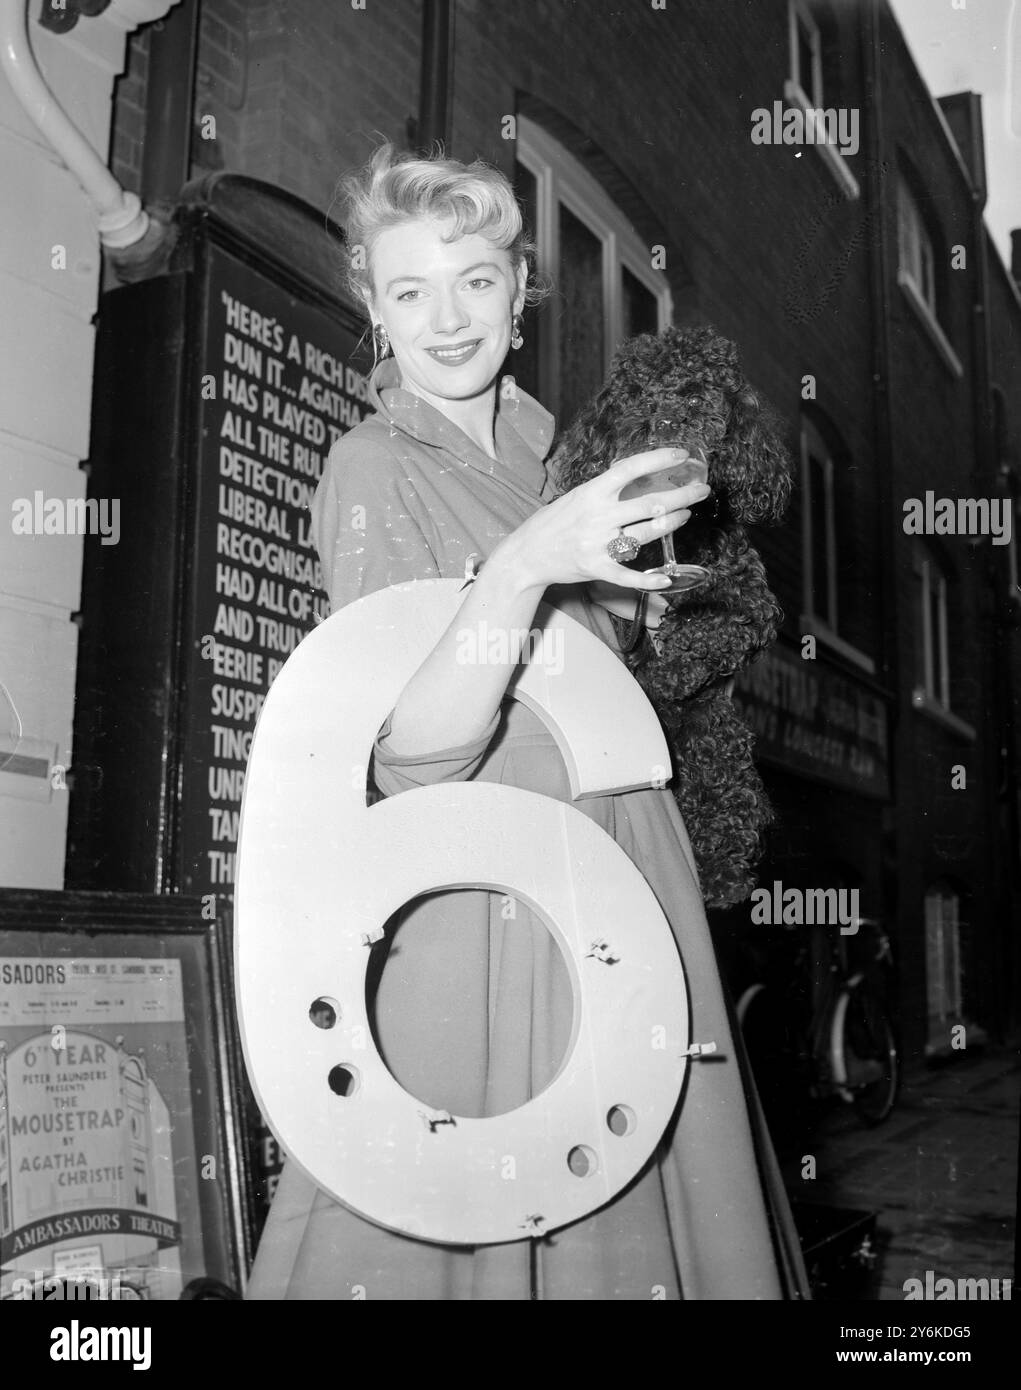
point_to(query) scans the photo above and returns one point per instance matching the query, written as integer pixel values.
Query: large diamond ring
(622, 547)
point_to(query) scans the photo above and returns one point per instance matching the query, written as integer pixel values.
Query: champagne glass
(693, 469)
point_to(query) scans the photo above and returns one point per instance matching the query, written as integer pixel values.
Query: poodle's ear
(605, 429)
(585, 448)
(753, 461)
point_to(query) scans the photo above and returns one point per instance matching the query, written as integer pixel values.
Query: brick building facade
(870, 307)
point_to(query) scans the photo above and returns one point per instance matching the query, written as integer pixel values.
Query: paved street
(941, 1172)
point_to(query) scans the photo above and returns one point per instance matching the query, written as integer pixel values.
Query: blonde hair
(398, 186)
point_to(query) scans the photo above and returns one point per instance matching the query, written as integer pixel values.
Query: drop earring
(516, 338)
(381, 338)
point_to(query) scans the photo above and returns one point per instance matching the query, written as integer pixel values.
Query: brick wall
(944, 833)
(301, 90)
(129, 108)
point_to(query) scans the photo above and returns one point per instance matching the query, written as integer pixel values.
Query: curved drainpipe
(123, 222)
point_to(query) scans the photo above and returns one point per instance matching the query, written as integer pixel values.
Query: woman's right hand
(565, 541)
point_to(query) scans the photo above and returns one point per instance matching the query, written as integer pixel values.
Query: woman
(473, 1008)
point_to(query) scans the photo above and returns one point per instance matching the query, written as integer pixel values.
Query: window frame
(810, 436)
(798, 12)
(561, 178)
(935, 689)
(913, 230)
(913, 235)
(797, 95)
(935, 701)
(943, 925)
(812, 622)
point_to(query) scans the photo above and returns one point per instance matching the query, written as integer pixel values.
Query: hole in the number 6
(582, 1161)
(429, 997)
(344, 1080)
(324, 1011)
(621, 1120)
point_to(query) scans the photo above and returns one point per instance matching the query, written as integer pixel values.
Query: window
(942, 954)
(917, 246)
(606, 286)
(932, 663)
(805, 91)
(937, 622)
(818, 529)
(837, 607)
(806, 54)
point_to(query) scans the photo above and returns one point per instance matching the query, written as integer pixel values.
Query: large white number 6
(320, 872)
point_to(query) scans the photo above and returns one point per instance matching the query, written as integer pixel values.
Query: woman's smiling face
(446, 305)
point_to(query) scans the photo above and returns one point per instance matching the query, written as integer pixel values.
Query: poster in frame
(122, 1161)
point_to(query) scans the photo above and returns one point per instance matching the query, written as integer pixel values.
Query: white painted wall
(46, 356)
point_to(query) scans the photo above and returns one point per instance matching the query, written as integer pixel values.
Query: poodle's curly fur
(684, 386)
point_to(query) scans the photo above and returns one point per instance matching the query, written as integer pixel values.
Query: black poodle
(685, 386)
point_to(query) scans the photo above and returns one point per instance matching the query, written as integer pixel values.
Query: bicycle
(840, 1044)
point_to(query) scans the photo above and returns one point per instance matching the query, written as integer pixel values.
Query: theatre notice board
(220, 384)
(276, 390)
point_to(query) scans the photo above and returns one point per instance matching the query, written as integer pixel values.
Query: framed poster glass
(119, 1153)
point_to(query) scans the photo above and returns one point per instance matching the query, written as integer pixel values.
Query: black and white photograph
(510, 669)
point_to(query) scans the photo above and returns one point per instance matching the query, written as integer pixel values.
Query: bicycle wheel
(870, 1065)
